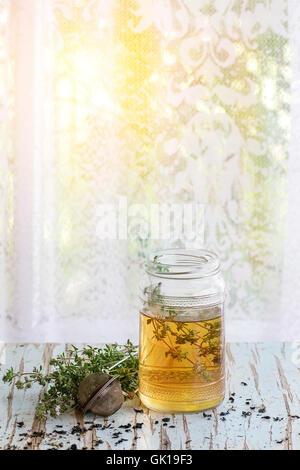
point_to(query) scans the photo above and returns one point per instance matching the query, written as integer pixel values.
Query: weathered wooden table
(261, 409)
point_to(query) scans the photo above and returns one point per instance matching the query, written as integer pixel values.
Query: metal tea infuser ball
(101, 394)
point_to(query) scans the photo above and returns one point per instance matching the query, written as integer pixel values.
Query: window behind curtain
(154, 101)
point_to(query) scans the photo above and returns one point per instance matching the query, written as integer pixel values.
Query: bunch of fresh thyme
(70, 368)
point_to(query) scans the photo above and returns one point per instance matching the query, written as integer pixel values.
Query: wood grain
(259, 376)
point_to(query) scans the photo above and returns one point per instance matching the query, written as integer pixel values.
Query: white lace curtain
(153, 101)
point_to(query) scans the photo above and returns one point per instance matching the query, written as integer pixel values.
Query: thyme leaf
(70, 368)
(207, 344)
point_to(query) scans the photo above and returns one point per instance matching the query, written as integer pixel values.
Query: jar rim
(182, 263)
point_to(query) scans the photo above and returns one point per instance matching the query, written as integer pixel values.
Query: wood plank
(259, 376)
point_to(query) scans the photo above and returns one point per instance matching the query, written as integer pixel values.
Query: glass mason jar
(181, 356)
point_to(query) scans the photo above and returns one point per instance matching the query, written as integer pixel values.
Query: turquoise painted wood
(259, 376)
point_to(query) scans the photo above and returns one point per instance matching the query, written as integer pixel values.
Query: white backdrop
(291, 272)
(158, 101)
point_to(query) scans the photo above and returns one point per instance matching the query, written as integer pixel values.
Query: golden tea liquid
(181, 360)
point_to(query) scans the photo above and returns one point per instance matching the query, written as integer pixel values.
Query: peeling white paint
(272, 379)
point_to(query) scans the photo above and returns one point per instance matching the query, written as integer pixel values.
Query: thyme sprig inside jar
(181, 359)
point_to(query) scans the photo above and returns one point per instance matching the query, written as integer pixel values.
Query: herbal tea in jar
(181, 357)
